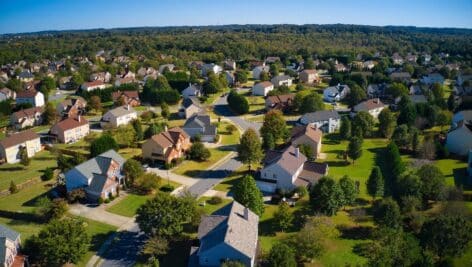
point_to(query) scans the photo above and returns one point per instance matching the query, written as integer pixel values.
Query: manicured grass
(455, 172)
(99, 232)
(129, 205)
(129, 152)
(210, 208)
(192, 168)
(80, 146)
(24, 200)
(19, 173)
(256, 103)
(227, 138)
(360, 170)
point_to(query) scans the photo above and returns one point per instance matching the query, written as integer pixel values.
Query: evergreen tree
(387, 213)
(354, 149)
(281, 255)
(250, 148)
(13, 189)
(283, 218)
(165, 112)
(375, 183)
(138, 129)
(387, 123)
(345, 129)
(433, 183)
(102, 144)
(394, 161)
(247, 193)
(326, 196)
(348, 187)
(24, 159)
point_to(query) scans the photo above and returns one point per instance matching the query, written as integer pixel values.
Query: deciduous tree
(250, 148)
(387, 122)
(248, 194)
(375, 183)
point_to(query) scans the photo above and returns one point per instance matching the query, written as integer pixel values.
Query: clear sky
(38, 15)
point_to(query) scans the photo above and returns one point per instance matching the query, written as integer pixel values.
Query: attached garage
(266, 186)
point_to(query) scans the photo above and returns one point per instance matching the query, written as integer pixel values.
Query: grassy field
(210, 208)
(19, 173)
(130, 204)
(360, 170)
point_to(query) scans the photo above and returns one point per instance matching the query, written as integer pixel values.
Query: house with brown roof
(27, 118)
(262, 88)
(373, 106)
(126, 98)
(70, 130)
(167, 146)
(104, 77)
(229, 234)
(288, 169)
(307, 135)
(11, 146)
(309, 76)
(33, 97)
(71, 107)
(280, 102)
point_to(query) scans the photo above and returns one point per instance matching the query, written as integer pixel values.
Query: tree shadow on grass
(20, 217)
(337, 163)
(461, 179)
(33, 201)
(12, 169)
(356, 232)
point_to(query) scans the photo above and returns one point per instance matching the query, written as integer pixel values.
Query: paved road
(221, 108)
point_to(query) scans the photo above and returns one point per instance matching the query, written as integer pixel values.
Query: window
(274, 176)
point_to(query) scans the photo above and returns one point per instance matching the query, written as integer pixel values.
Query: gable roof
(170, 137)
(70, 123)
(311, 173)
(322, 115)
(99, 164)
(264, 84)
(187, 102)
(369, 105)
(309, 71)
(234, 225)
(130, 94)
(18, 138)
(311, 132)
(27, 94)
(93, 83)
(98, 183)
(286, 159)
(121, 111)
(274, 99)
(29, 112)
(8, 233)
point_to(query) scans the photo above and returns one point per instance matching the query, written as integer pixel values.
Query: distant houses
(280, 80)
(6, 94)
(190, 107)
(94, 85)
(27, 118)
(126, 98)
(71, 107)
(280, 102)
(192, 90)
(309, 76)
(308, 135)
(229, 234)
(100, 177)
(11, 146)
(372, 106)
(32, 97)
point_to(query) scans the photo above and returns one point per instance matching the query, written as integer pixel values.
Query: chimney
(246, 213)
(78, 118)
(297, 152)
(127, 106)
(165, 128)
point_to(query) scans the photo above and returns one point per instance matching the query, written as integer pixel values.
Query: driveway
(221, 108)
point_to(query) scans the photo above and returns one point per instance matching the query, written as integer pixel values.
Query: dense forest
(240, 42)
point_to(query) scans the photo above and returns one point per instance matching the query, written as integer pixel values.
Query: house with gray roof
(336, 93)
(229, 234)
(190, 106)
(192, 90)
(327, 121)
(99, 176)
(280, 80)
(118, 116)
(10, 247)
(200, 125)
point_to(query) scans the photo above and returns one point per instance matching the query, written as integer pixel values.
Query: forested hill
(213, 43)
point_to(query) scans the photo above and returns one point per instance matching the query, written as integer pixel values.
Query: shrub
(100, 200)
(13, 188)
(301, 191)
(76, 195)
(48, 174)
(199, 152)
(215, 200)
(167, 188)
(107, 200)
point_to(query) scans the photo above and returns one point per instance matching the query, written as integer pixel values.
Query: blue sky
(37, 15)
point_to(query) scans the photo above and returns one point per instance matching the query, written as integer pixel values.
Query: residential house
(125, 80)
(411, 58)
(71, 107)
(167, 146)
(100, 177)
(10, 241)
(373, 106)
(262, 88)
(288, 169)
(309, 76)
(307, 135)
(376, 90)
(416, 89)
(143, 72)
(280, 80)
(70, 130)
(369, 64)
(280, 102)
(230, 78)
(104, 77)
(229, 65)
(340, 67)
(6, 94)
(90, 86)
(397, 59)
(4, 77)
(190, 107)
(400, 76)
(33, 97)
(327, 121)
(192, 90)
(336, 93)
(27, 118)
(118, 116)
(65, 83)
(206, 68)
(459, 138)
(32, 85)
(11, 146)
(168, 67)
(433, 78)
(256, 72)
(127, 97)
(200, 125)
(25, 76)
(229, 234)
(270, 60)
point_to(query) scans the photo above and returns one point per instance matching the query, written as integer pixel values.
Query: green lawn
(455, 172)
(360, 170)
(99, 232)
(256, 103)
(19, 173)
(210, 208)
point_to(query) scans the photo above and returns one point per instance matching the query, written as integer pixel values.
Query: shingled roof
(18, 138)
(170, 137)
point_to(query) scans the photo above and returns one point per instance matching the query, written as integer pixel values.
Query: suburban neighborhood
(255, 145)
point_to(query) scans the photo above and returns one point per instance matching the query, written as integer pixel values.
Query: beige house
(10, 147)
(27, 118)
(262, 88)
(307, 135)
(190, 107)
(70, 130)
(372, 106)
(309, 76)
(167, 146)
(118, 116)
(90, 86)
(9, 248)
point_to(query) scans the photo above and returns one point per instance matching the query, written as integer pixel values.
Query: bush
(301, 191)
(199, 152)
(76, 195)
(107, 200)
(13, 188)
(100, 200)
(238, 103)
(48, 174)
(215, 200)
(167, 188)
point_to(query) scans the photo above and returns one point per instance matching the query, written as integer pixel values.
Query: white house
(372, 106)
(336, 93)
(70, 130)
(192, 90)
(280, 80)
(118, 116)
(33, 97)
(90, 86)
(11, 146)
(27, 118)
(256, 72)
(327, 121)
(459, 138)
(262, 88)
(10, 247)
(211, 67)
